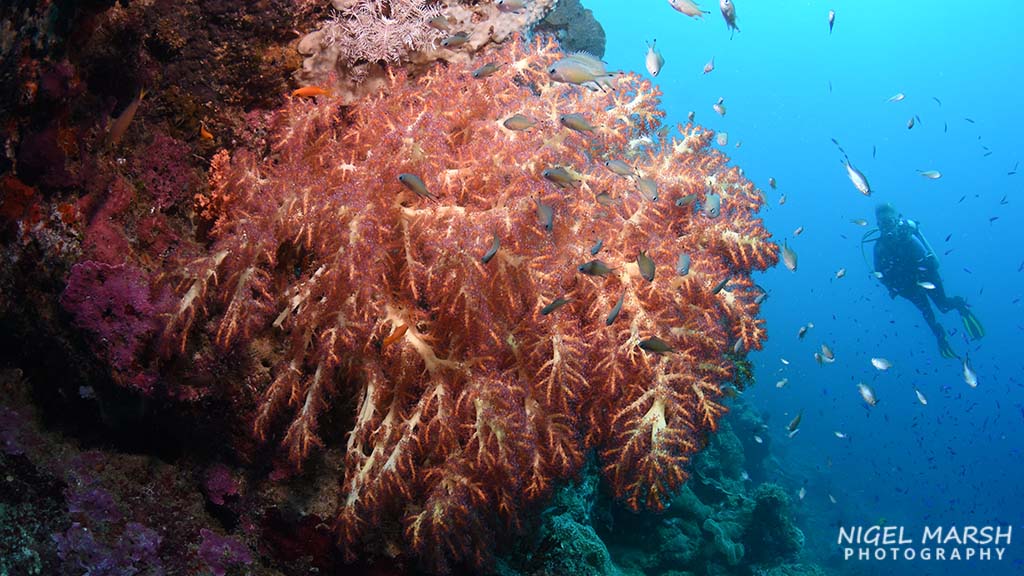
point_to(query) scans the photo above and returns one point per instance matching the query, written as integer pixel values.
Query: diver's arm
(883, 266)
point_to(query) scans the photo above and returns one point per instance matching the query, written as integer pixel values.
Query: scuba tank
(874, 235)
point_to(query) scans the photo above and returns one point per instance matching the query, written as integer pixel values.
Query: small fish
(969, 120)
(969, 376)
(495, 244)
(859, 222)
(648, 188)
(794, 424)
(646, 265)
(719, 107)
(604, 199)
(819, 358)
(688, 7)
(831, 498)
(683, 264)
(511, 5)
(560, 177)
(710, 66)
(721, 285)
(558, 303)
(867, 394)
(310, 92)
(926, 285)
(121, 123)
(722, 138)
(771, 182)
(930, 174)
(519, 122)
(712, 205)
(860, 182)
(576, 122)
(898, 97)
(486, 70)
(827, 353)
(655, 345)
(840, 435)
(758, 439)
(937, 101)
(802, 332)
(414, 183)
(789, 257)
(596, 247)
(654, 60)
(782, 383)
(878, 275)
(455, 40)
(545, 214)
(802, 493)
(594, 268)
(615, 310)
(581, 69)
(203, 132)
(831, 20)
(440, 23)
(737, 348)
(729, 13)
(690, 116)
(920, 397)
(874, 151)
(395, 336)
(619, 167)
(782, 200)
(840, 273)
(910, 123)
(686, 200)
(784, 361)
(881, 363)
(799, 230)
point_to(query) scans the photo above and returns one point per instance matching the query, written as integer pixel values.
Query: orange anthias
(483, 402)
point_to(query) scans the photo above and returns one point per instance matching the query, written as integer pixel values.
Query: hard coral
(471, 399)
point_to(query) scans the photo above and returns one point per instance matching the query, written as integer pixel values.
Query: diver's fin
(973, 326)
(946, 350)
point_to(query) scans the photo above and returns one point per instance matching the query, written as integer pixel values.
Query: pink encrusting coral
(478, 384)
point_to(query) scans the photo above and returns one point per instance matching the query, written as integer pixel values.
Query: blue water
(956, 461)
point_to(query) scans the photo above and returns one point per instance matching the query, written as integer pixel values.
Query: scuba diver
(908, 267)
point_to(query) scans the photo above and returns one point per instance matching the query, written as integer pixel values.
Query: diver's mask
(892, 226)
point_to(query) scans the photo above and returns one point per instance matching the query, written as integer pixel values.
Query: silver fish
(969, 376)
(920, 397)
(655, 345)
(788, 257)
(860, 182)
(545, 214)
(560, 177)
(455, 40)
(596, 247)
(576, 122)
(898, 97)
(881, 363)
(619, 167)
(722, 138)
(594, 268)
(867, 394)
(646, 265)
(729, 13)
(558, 303)
(710, 66)
(649, 188)
(712, 205)
(519, 122)
(841, 272)
(511, 5)
(930, 174)
(486, 70)
(831, 20)
(414, 183)
(654, 60)
(683, 264)
(615, 310)
(688, 7)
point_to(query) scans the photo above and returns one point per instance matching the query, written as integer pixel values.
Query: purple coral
(164, 170)
(112, 305)
(219, 484)
(218, 553)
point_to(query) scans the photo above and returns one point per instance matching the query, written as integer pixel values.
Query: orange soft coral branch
(492, 393)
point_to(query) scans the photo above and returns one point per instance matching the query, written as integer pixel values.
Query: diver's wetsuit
(904, 261)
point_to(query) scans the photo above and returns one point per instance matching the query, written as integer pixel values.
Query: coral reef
(347, 51)
(470, 398)
(575, 27)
